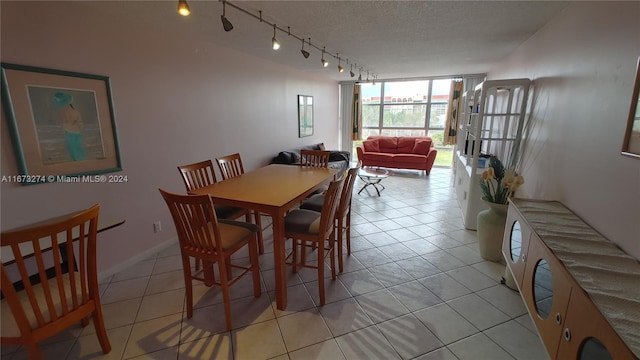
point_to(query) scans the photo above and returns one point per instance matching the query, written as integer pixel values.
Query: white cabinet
(492, 123)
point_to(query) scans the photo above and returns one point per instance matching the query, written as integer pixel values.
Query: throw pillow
(422, 146)
(321, 147)
(284, 157)
(371, 145)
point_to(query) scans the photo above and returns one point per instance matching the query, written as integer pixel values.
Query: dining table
(274, 190)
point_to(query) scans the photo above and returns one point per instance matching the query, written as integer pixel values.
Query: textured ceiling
(391, 39)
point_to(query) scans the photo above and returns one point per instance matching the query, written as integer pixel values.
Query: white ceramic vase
(491, 223)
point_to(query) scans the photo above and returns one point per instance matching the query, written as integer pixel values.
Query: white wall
(582, 65)
(176, 102)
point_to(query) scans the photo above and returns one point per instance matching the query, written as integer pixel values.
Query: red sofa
(402, 152)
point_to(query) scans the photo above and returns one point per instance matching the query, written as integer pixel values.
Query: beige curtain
(356, 114)
(453, 113)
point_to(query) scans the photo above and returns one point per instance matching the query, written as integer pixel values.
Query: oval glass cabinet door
(593, 349)
(516, 241)
(543, 288)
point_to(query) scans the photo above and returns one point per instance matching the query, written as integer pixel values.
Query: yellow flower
(488, 174)
(507, 181)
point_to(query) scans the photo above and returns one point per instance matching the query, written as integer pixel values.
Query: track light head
(183, 8)
(304, 52)
(325, 63)
(226, 24)
(275, 45)
(340, 68)
(351, 71)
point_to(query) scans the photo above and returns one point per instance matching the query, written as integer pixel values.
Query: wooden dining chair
(314, 158)
(231, 166)
(343, 213)
(51, 299)
(201, 174)
(312, 229)
(204, 239)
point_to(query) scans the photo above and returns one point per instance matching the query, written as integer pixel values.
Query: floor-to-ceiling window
(407, 108)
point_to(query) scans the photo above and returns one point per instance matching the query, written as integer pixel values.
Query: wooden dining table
(274, 190)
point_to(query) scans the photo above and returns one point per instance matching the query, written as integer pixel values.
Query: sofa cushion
(421, 146)
(371, 145)
(388, 144)
(409, 159)
(405, 145)
(380, 156)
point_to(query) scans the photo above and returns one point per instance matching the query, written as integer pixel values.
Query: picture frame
(631, 142)
(305, 115)
(61, 123)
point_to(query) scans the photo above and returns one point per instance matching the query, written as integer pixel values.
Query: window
(405, 108)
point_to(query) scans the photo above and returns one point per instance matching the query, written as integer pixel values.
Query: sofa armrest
(360, 151)
(431, 158)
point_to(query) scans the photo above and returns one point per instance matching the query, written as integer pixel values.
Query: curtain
(453, 113)
(356, 114)
(345, 104)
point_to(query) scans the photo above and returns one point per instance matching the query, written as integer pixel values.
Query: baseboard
(136, 259)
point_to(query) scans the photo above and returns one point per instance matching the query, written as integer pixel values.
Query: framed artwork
(631, 142)
(61, 123)
(305, 115)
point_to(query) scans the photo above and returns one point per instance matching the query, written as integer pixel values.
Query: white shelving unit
(493, 118)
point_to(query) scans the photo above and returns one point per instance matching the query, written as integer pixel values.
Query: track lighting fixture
(226, 24)
(340, 68)
(325, 63)
(304, 52)
(183, 8)
(275, 45)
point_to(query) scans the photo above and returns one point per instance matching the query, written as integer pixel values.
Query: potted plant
(497, 185)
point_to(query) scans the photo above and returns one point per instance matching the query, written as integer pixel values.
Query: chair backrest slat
(347, 191)
(196, 223)
(198, 175)
(230, 166)
(314, 158)
(329, 207)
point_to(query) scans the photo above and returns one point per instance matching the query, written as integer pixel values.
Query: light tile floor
(414, 287)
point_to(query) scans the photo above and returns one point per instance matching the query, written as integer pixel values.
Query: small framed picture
(305, 115)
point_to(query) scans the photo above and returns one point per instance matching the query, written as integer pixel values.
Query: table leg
(279, 260)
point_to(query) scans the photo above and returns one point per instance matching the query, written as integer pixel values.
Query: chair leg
(260, 238)
(294, 260)
(188, 290)
(33, 350)
(101, 332)
(339, 246)
(255, 267)
(224, 286)
(332, 254)
(321, 274)
(348, 231)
